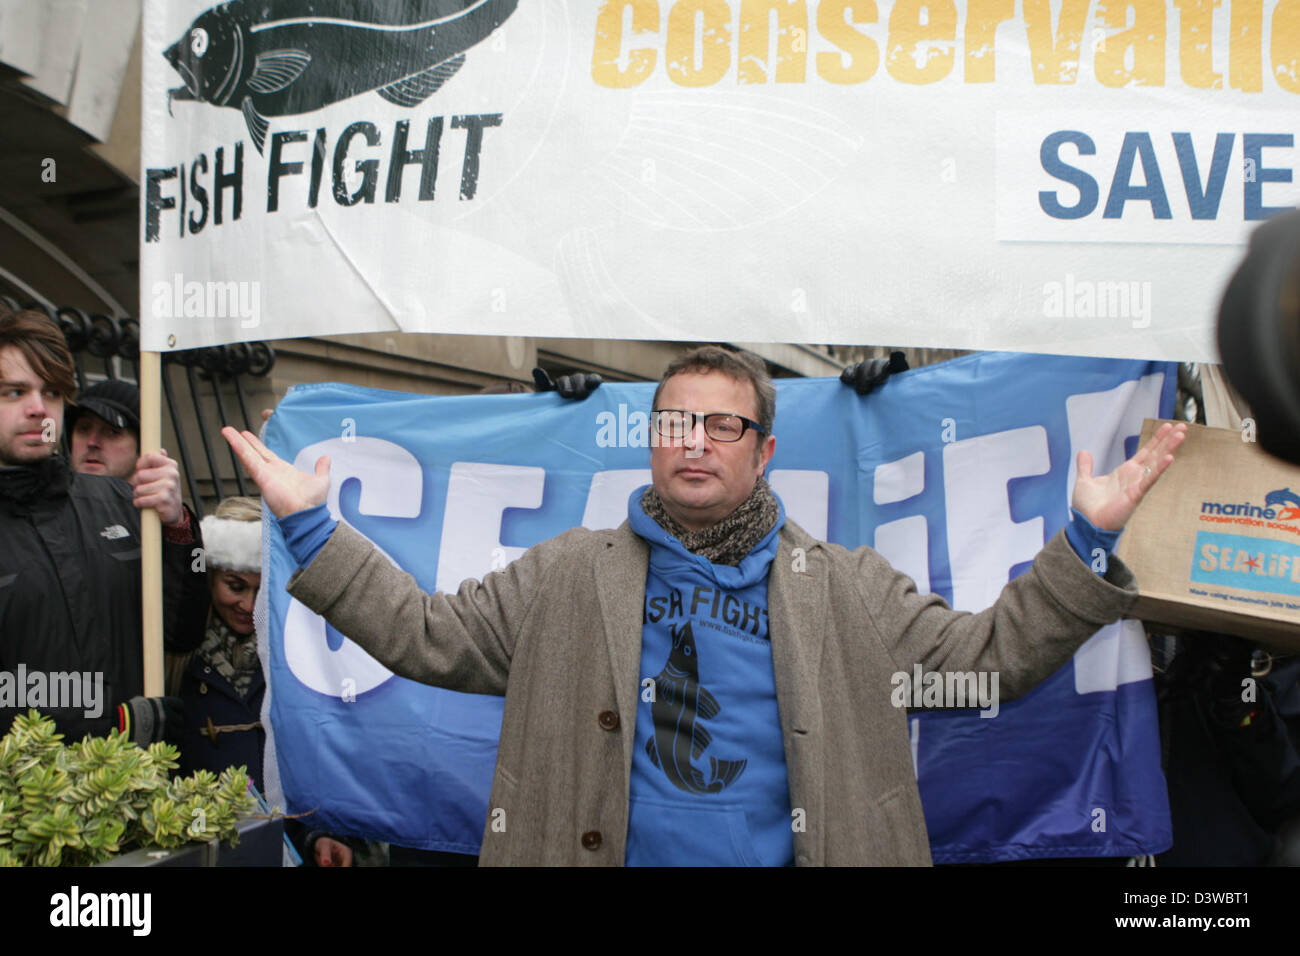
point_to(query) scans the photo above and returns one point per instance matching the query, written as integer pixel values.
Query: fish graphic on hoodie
(680, 703)
(708, 785)
(286, 57)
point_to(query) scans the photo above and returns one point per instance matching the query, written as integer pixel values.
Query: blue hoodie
(709, 784)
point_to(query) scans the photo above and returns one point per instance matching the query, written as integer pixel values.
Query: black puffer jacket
(70, 594)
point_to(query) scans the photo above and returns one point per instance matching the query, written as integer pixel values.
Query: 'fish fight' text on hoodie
(709, 784)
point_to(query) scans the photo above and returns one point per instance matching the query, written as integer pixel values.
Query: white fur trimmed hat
(232, 545)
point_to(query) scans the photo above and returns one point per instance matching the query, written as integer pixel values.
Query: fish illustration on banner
(957, 473)
(286, 57)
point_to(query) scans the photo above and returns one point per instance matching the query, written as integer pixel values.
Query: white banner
(1031, 175)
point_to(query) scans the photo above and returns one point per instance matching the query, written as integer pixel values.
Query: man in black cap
(103, 429)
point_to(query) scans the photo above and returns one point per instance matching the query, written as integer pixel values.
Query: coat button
(591, 840)
(608, 720)
(203, 688)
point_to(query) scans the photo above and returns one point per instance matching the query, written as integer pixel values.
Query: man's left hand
(1109, 500)
(157, 484)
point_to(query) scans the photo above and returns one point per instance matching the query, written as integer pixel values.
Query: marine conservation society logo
(295, 57)
(1282, 505)
(1249, 561)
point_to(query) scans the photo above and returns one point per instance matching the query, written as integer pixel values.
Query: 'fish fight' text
(299, 162)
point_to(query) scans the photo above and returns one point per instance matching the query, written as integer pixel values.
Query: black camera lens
(1259, 334)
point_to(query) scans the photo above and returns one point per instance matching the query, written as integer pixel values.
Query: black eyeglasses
(676, 424)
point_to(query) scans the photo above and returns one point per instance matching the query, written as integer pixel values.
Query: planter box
(260, 844)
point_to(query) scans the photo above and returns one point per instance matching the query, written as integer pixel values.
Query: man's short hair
(742, 366)
(41, 342)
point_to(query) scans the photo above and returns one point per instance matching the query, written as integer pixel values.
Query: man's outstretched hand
(1108, 501)
(284, 488)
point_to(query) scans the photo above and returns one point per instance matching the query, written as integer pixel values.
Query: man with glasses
(706, 684)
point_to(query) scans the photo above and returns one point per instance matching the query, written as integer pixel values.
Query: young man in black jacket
(70, 616)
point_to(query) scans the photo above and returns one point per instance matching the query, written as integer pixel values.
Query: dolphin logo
(284, 57)
(1286, 499)
(680, 702)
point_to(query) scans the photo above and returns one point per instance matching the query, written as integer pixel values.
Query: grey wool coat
(558, 633)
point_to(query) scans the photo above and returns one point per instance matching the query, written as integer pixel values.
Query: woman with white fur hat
(223, 686)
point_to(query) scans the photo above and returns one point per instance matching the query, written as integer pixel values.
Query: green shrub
(82, 804)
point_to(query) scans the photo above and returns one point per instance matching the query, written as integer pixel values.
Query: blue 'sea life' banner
(958, 473)
(1065, 176)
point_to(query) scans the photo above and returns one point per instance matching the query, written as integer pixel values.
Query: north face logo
(113, 532)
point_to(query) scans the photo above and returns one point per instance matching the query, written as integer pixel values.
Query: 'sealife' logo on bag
(1249, 564)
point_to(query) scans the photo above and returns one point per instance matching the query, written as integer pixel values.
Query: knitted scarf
(732, 538)
(233, 656)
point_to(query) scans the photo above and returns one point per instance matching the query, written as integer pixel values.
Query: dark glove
(578, 385)
(146, 720)
(865, 376)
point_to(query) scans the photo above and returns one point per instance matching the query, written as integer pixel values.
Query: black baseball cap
(113, 400)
